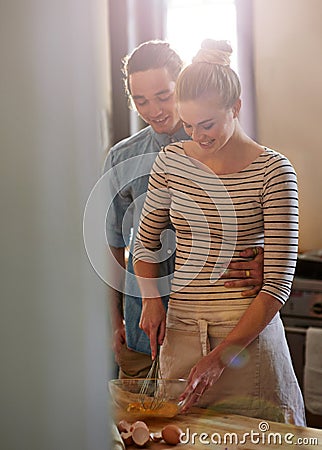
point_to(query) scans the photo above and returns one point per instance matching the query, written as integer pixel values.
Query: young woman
(221, 191)
(150, 74)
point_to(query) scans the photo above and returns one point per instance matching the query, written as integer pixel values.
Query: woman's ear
(236, 108)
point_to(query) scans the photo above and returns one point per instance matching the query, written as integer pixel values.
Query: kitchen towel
(117, 441)
(313, 371)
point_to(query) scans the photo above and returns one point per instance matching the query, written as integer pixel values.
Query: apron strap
(204, 341)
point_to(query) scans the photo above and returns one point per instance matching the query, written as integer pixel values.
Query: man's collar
(166, 139)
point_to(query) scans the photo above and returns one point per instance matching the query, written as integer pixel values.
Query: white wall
(288, 72)
(53, 330)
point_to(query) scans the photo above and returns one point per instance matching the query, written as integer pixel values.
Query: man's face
(152, 92)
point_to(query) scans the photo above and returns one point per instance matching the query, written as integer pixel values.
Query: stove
(304, 307)
(302, 310)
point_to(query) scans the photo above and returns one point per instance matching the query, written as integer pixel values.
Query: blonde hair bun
(214, 52)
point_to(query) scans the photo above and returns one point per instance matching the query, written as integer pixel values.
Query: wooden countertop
(235, 432)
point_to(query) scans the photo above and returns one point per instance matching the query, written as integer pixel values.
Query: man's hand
(116, 303)
(118, 340)
(250, 273)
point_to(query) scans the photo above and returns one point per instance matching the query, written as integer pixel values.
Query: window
(189, 22)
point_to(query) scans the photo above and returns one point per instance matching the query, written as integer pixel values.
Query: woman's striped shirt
(215, 217)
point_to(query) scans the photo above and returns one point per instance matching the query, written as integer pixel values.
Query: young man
(150, 73)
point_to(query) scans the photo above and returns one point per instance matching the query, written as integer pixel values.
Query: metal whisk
(151, 394)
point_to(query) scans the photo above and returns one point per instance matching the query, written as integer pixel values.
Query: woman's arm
(153, 314)
(148, 253)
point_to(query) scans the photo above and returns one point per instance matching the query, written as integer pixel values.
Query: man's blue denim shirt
(129, 163)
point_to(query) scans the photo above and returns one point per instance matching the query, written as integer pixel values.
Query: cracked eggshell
(127, 437)
(140, 433)
(123, 425)
(156, 437)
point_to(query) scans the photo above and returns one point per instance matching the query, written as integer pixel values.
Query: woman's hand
(152, 322)
(202, 376)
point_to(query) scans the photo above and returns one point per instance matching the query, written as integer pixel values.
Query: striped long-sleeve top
(215, 217)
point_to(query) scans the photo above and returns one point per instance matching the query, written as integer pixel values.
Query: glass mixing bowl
(147, 397)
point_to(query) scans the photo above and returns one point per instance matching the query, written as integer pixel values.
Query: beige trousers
(133, 364)
(260, 382)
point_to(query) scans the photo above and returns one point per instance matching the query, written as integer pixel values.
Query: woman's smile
(206, 145)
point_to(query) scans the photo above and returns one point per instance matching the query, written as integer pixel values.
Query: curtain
(244, 15)
(131, 22)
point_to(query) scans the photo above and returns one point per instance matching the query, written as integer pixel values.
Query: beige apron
(260, 382)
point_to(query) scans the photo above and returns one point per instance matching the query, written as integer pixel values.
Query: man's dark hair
(151, 55)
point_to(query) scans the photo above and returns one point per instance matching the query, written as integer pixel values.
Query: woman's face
(208, 123)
